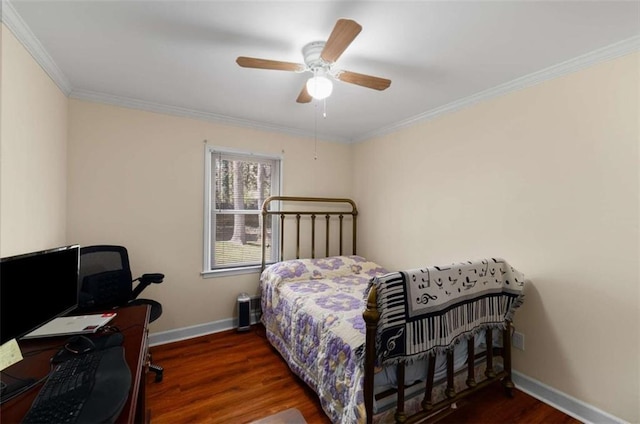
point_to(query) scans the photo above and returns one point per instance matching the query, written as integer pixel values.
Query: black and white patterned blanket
(425, 311)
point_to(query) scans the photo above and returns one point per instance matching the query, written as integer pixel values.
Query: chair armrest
(144, 281)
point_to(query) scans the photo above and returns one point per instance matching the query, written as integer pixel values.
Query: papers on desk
(9, 354)
(67, 326)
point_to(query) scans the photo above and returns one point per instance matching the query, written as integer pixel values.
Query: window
(236, 185)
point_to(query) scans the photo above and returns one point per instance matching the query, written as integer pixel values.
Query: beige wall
(137, 179)
(548, 178)
(33, 154)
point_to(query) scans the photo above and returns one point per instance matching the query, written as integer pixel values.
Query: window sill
(226, 272)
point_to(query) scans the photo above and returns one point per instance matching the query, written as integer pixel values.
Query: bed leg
(451, 391)
(427, 404)
(506, 357)
(489, 372)
(471, 356)
(400, 416)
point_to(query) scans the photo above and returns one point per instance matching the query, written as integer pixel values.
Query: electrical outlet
(517, 340)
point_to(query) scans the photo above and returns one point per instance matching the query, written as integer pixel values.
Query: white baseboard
(563, 402)
(559, 400)
(170, 336)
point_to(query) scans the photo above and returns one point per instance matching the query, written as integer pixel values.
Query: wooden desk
(131, 321)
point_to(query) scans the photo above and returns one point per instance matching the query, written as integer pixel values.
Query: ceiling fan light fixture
(319, 87)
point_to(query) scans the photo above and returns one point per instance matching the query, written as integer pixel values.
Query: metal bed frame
(371, 316)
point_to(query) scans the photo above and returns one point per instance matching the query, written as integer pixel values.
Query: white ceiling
(180, 55)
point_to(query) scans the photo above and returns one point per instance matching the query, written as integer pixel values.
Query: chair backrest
(105, 276)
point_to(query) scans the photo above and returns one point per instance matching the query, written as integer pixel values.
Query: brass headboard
(266, 212)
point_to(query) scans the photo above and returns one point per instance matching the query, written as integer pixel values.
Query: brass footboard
(428, 408)
(278, 208)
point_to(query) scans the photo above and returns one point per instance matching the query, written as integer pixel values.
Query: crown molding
(578, 63)
(19, 28)
(21, 31)
(96, 97)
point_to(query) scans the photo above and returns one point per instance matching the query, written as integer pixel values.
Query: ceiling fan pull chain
(315, 131)
(324, 112)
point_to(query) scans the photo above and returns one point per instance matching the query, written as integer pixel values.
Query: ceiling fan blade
(304, 96)
(364, 80)
(252, 62)
(342, 35)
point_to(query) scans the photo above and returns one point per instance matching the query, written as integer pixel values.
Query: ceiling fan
(319, 58)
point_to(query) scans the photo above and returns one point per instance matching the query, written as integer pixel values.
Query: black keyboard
(88, 388)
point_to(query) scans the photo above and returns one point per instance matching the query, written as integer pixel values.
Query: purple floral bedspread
(312, 311)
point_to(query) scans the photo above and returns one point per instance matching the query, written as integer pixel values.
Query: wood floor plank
(232, 377)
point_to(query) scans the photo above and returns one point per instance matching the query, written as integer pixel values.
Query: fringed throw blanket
(427, 310)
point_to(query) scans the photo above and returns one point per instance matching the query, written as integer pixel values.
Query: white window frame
(209, 152)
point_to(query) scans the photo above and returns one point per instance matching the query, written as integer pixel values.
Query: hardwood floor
(233, 377)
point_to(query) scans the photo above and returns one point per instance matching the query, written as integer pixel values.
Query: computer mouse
(79, 344)
(108, 340)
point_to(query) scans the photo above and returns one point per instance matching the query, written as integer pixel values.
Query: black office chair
(106, 283)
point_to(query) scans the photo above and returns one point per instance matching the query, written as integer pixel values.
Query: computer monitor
(37, 287)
